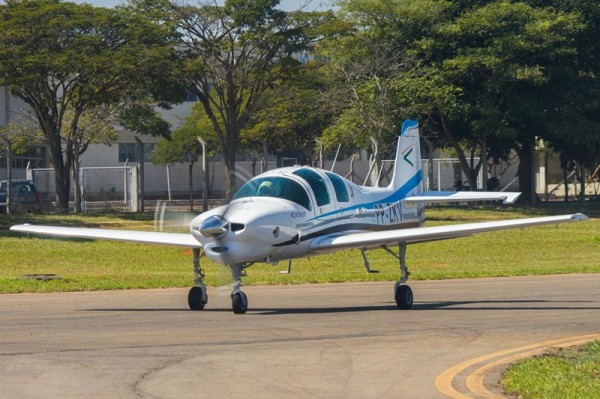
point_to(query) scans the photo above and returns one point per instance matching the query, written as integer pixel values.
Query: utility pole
(204, 175)
(141, 174)
(8, 152)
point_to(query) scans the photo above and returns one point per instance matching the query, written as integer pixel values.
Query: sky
(287, 5)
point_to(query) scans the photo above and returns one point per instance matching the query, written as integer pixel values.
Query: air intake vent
(237, 226)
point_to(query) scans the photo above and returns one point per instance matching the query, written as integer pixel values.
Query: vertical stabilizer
(407, 167)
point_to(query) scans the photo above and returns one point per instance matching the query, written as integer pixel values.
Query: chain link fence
(115, 188)
(102, 188)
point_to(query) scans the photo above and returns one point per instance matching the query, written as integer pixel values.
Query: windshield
(277, 187)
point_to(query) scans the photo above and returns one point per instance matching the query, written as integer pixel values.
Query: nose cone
(214, 226)
(244, 231)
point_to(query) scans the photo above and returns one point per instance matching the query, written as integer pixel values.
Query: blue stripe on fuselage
(396, 196)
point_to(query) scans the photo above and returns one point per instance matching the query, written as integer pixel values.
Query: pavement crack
(137, 388)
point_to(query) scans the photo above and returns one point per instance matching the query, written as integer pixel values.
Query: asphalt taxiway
(320, 341)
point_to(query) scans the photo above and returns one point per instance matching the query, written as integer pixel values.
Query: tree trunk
(464, 163)
(483, 142)
(525, 153)
(582, 179)
(191, 185)
(374, 165)
(230, 174)
(566, 182)
(9, 192)
(62, 178)
(264, 162)
(229, 151)
(75, 170)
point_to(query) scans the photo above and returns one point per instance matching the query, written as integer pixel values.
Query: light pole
(204, 175)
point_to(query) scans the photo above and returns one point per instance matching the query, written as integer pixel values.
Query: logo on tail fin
(407, 169)
(406, 153)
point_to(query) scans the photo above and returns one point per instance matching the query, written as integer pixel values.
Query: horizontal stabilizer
(463, 196)
(144, 237)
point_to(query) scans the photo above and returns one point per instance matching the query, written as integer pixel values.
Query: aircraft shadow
(535, 305)
(446, 305)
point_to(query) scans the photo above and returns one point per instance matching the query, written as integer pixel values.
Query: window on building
(35, 157)
(191, 97)
(129, 152)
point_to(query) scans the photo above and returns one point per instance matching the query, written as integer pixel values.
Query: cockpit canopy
(275, 186)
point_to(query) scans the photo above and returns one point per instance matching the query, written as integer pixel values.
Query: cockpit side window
(316, 182)
(278, 187)
(341, 192)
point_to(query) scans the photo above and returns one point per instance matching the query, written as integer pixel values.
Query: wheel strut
(197, 296)
(239, 301)
(402, 292)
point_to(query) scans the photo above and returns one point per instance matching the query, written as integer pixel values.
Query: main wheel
(197, 298)
(403, 296)
(239, 302)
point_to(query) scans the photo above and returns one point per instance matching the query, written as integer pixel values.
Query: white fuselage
(259, 227)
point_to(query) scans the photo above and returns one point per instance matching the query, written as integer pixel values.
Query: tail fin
(408, 174)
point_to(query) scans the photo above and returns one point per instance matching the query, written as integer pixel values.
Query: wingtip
(579, 216)
(511, 198)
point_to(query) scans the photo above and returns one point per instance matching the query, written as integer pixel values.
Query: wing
(145, 237)
(334, 242)
(463, 196)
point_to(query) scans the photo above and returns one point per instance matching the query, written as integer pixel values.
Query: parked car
(24, 196)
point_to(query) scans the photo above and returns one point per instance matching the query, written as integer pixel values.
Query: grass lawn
(572, 373)
(102, 265)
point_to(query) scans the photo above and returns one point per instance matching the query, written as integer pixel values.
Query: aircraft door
(324, 203)
(344, 197)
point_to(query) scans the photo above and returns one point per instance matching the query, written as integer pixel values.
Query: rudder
(407, 166)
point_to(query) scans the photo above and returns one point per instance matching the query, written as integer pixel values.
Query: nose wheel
(239, 301)
(197, 297)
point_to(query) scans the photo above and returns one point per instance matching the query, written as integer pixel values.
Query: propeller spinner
(214, 226)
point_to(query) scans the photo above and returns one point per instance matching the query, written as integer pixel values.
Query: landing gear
(402, 292)
(197, 297)
(239, 301)
(403, 295)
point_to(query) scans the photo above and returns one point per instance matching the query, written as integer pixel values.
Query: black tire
(239, 302)
(404, 296)
(196, 299)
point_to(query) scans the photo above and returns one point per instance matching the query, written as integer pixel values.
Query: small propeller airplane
(301, 211)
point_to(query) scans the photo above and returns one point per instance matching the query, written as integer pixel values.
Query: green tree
(184, 145)
(573, 108)
(233, 54)
(373, 63)
(64, 57)
(292, 113)
(506, 57)
(481, 72)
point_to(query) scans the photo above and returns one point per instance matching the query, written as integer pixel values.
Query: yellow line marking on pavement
(475, 379)
(443, 382)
